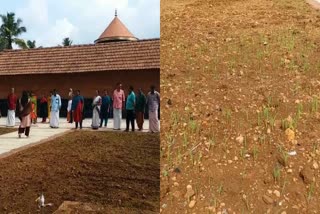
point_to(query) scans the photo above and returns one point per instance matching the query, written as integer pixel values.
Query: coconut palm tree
(10, 29)
(67, 42)
(31, 44)
(2, 44)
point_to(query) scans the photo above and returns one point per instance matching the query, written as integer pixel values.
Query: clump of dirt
(7, 130)
(110, 170)
(242, 126)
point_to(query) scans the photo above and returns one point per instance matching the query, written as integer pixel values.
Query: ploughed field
(117, 172)
(240, 88)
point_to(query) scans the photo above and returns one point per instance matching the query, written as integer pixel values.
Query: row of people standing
(134, 106)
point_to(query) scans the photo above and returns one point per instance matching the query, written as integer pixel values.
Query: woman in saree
(77, 109)
(24, 111)
(96, 107)
(34, 115)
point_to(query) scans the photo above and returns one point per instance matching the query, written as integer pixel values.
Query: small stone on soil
(190, 192)
(277, 193)
(192, 203)
(267, 199)
(240, 139)
(307, 175)
(315, 165)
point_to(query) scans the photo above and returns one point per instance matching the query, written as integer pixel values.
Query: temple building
(116, 56)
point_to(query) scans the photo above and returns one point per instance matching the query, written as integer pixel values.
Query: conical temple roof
(116, 31)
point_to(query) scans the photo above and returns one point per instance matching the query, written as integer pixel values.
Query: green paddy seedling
(227, 113)
(276, 173)
(185, 140)
(310, 191)
(212, 142)
(220, 189)
(165, 173)
(255, 153)
(314, 104)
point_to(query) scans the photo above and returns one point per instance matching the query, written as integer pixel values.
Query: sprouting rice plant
(255, 153)
(220, 189)
(227, 113)
(276, 173)
(212, 142)
(299, 110)
(285, 156)
(310, 191)
(191, 157)
(185, 140)
(314, 104)
(165, 173)
(194, 126)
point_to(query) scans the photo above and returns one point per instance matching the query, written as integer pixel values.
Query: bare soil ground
(7, 130)
(240, 83)
(116, 172)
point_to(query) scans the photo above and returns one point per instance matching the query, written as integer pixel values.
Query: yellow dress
(49, 106)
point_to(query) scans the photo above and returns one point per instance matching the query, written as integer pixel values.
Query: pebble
(284, 212)
(212, 209)
(229, 161)
(236, 158)
(190, 192)
(174, 178)
(268, 131)
(192, 203)
(240, 139)
(222, 204)
(315, 165)
(277, 193)
(289, 170)
(269, 191)
(176, 184)
(267, 199)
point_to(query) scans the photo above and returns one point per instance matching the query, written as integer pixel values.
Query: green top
(131, 101)
(140, 102)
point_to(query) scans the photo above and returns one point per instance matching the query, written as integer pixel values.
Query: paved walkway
(41, 132)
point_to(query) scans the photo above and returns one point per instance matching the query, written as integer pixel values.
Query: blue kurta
(55, 103)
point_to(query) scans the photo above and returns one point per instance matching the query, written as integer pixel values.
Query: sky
(49, 21)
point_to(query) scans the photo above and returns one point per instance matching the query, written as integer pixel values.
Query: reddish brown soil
(110, 170)
(7, 130)
(240, 68)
